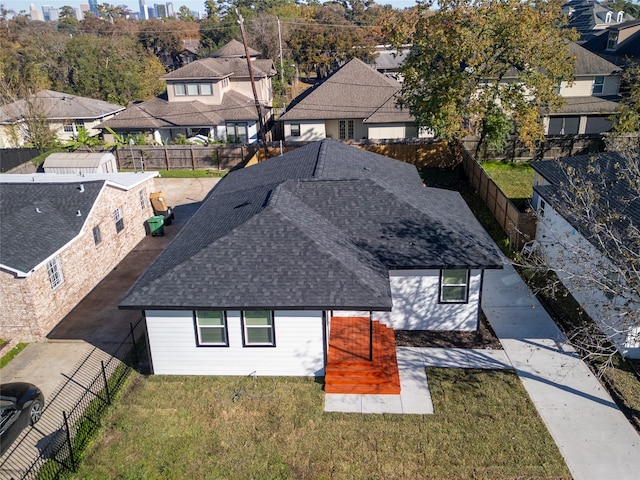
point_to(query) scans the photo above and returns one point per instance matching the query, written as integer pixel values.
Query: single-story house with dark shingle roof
(64, 112)
(282, 254)
(355, 102)
(594, 246)
(212, 97)
(61, 235)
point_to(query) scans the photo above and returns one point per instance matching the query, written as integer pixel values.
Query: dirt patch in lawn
(484, 337)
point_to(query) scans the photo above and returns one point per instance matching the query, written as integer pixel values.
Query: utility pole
(280, 43)
(261, 132)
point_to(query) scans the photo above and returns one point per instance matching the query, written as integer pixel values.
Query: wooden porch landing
(348, 367)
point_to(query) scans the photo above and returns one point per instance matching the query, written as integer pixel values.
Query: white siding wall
(390, 131)
(583, 87)
(298, 352)
(577, 264)
(309, 131)
(415, 295)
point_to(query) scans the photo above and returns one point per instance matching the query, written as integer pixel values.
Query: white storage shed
(81, 162)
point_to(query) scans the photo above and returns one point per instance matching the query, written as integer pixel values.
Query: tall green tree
(67, 21)
(473, 55)
(184, 14)
(323, 40)
(627, 120)
(117, 70)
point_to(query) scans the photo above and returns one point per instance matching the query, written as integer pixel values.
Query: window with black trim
(97, 236)
(237, 132)
(211, 328)
(454, 286)
(295, 129)
(258, 328)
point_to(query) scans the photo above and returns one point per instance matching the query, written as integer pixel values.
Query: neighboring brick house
(60, 236)
(211, 97)
(65, 114)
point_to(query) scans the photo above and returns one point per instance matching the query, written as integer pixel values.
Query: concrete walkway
(593, 435)
(415, 397)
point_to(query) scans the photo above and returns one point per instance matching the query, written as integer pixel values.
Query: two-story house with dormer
(211, 97)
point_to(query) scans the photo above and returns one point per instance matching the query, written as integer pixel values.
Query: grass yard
(515, 179)
(485, 427)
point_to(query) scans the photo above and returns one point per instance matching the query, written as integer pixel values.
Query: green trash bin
(156, 225)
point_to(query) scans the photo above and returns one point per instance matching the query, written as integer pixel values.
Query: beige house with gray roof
(211, 97)
(355, 102)
(590, 100)
(65, 113)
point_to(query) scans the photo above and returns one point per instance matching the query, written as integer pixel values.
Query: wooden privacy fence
(183, 157)
(519, 226)
(557, 146)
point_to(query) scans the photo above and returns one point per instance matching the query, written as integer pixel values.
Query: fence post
(66, 426)
(135, 346)
(193, 159)
(106, 384)
(166, 157)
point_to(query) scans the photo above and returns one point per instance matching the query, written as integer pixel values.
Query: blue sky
(197, 5)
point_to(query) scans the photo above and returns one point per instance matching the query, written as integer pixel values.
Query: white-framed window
(143, 198)
(73, 126)
(454, 286)
(54, 269)
(258, 328)
(117, 218)
(211, 328)
(237, 132)
(179, 90)
(206, 89)
(295, 129)
(97, 236)
(598, 84)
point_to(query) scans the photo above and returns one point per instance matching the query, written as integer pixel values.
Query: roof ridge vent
(78, 213)
(38, 210)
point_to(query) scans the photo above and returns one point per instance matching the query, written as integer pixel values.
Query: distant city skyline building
(51, 10)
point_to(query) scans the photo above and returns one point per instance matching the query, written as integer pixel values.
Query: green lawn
(11, 354)
(485, 427)
(515, 179)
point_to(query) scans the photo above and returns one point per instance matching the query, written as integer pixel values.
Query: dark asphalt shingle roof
(38, 219)
(58, 106)
(218, 68)
(616, 194)
(160, 113)
(355, 91)
(233, 48)
(317, 228)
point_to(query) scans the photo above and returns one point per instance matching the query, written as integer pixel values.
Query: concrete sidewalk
(595, 438)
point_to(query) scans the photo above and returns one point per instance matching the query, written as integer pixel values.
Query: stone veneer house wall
(61, 235)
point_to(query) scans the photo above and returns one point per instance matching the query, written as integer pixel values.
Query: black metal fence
(50, 449)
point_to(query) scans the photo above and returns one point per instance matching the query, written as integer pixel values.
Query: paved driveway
(95, 328)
